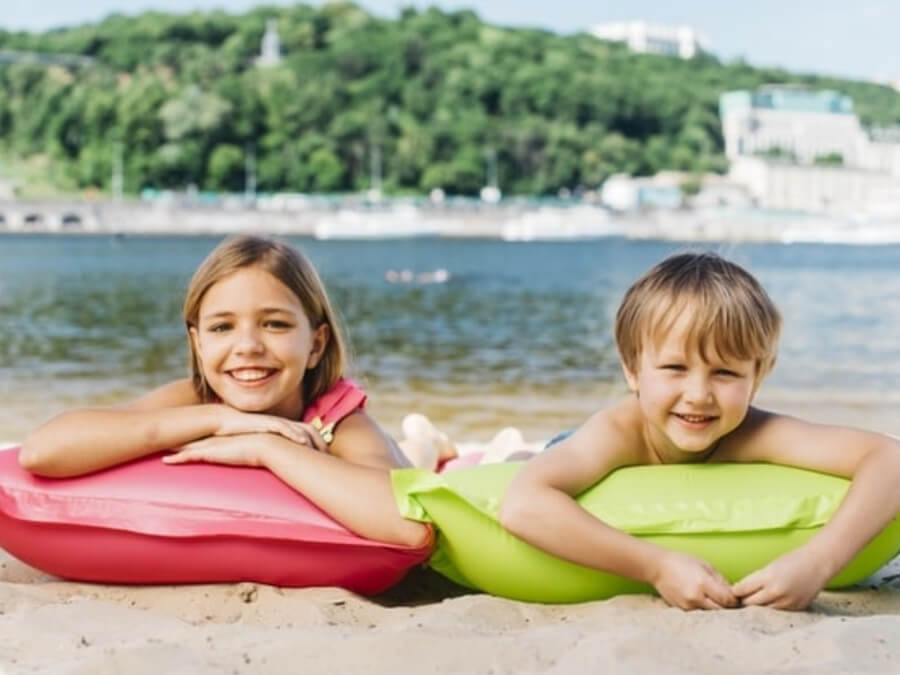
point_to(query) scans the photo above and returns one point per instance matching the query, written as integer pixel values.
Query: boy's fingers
(721, 595)
(710, 603)
(748, 585)
(760, 597)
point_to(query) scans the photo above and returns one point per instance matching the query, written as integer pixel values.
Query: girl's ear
(195, 341)
(320, 339)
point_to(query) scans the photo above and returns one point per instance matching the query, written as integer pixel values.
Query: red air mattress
(147, 522)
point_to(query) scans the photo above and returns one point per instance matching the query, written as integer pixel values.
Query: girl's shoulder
(344, 398)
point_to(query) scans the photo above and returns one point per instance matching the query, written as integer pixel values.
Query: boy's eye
(727, 373)
(676, 367)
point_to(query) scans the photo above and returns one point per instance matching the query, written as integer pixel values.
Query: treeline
(431, 96)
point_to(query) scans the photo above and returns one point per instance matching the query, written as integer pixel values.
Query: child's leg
(424, 445)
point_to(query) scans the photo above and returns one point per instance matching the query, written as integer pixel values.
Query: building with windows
(798, 148)
(640, 36)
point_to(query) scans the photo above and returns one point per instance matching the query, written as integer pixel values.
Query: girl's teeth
(249, 375)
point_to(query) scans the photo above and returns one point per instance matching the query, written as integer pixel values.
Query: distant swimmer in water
(406, 276)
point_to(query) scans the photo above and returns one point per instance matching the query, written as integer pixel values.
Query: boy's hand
(691, 583)
(791, 581)
(235, 422)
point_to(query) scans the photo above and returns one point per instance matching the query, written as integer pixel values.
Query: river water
(476, 334)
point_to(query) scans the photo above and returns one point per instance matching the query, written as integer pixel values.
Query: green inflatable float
(739, 517)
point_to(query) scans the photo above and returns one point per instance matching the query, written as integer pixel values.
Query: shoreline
(512, 220)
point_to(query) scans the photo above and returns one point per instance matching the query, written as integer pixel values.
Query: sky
(857, 39)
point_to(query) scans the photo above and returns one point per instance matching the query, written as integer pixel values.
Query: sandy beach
(424, 625)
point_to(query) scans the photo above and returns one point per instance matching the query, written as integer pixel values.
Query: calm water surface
(519, 334)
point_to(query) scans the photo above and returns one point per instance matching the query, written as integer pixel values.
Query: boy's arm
(871, 460)
(539, 508)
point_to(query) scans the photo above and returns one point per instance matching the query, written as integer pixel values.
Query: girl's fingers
(305, 435)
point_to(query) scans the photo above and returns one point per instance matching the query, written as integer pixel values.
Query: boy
(696, 335)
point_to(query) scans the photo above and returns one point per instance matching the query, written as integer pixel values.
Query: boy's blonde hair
(732, 315)
(295, 271)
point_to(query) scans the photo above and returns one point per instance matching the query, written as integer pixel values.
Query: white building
(640, 36)
(7, 189)
(797, 123)
(270, 49)
(792, 187)
(778, 137)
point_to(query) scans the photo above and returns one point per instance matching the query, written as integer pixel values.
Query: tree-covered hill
(180, 99)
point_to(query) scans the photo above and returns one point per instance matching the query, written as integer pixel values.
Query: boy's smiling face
(689, 402)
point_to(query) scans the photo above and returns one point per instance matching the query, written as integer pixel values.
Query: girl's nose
(248, 341)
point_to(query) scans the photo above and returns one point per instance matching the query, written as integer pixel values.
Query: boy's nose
(697, 390)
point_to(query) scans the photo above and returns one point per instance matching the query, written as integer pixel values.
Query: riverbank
(511, 220)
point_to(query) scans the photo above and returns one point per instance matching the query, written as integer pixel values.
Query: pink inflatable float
(150, 523)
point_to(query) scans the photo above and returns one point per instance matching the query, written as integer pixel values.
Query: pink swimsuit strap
(343, 398)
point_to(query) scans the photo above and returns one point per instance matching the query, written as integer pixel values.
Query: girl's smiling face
(689, 402)
(255, 343)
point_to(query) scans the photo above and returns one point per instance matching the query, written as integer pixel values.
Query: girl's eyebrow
(264, 310)
(215, 315)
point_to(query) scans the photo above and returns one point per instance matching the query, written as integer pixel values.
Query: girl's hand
(691, 583)
(791, 581)
(242, 450)
(235, 423)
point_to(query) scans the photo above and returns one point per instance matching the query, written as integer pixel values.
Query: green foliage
(829, 159)
(433, 91)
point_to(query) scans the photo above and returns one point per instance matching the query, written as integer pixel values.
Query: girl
(266, 389)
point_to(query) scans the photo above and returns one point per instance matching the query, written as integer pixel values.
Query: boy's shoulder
(614, 433)
(762, 436)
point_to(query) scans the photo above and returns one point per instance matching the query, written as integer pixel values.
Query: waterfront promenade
(512, 220)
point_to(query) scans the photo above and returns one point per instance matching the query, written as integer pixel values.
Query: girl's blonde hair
(295, 271)
(732, 315)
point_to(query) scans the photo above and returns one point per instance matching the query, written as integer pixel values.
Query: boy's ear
(630, 378)
(321, 336)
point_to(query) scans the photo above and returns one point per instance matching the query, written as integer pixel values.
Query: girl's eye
(219, 327)
(277, 324)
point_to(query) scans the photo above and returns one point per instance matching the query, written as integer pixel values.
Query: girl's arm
(871, 460)
(360, 440)
(87, 439)
(539, 507)
(357, 495)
